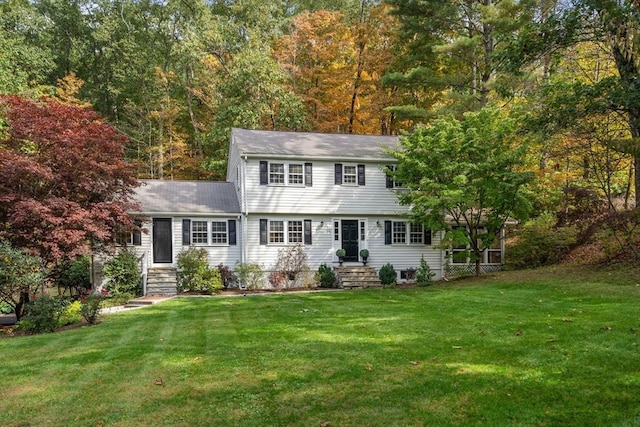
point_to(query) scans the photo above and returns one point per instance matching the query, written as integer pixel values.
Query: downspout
(243, 209)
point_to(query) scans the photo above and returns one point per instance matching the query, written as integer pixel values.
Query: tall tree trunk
(628, 69)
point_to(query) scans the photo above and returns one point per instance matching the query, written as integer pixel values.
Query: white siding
(225, 254)
(323, 247)
(235, 172)
(324, 197)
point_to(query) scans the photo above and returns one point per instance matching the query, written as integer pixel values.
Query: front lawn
(551, 347)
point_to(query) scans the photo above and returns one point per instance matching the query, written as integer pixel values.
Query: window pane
(295, 174)
(494, 257)
(199, 232)
(417, 234)
(276, 232)
(336, 230)
(350, 175)
(276, 173)
(219, 232)
(399, 232)
(295, 231)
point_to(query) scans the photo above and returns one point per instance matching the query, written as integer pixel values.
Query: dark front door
(162, 247)
(350, 239)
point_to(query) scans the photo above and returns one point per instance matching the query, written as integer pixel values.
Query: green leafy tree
(25, 57)
(464, 177)
(21, 276)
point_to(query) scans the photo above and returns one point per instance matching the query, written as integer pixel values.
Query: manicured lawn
(550, 347)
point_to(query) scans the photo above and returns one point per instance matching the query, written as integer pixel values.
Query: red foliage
(64, 183)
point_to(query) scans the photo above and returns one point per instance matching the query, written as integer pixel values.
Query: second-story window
(276, 173)
(296, 173)
(349, 174)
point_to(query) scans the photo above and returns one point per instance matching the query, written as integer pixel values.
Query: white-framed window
(294, 232)
(199, 232)
(276, 232)
(285, 232)
(391, 183)
(406, 233)
(209, 232)
(399, 232)
(296, 174)
(276, 173)
(350, 174)
(416, 234)
(218, 232)
(281, 173)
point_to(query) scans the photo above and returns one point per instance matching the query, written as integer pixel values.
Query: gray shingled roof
(312, 145)
(187, 197)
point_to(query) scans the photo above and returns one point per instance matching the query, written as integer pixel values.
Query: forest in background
(175, 76)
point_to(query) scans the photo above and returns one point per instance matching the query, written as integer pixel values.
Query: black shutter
(137, 234)
(263, 231)
(389, 181)
(264, 172)
(427, 236)
(232, 232)
(338, 180)
(186, 232)
(307, 231)
(387, 232)
(308, 174)
(360, 174)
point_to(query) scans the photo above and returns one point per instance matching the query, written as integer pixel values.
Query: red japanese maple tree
(64, 183)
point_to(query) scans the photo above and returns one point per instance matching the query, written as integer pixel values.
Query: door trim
(156, 240)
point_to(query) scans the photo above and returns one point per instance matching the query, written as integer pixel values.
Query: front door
(162, 246)
(350, 239)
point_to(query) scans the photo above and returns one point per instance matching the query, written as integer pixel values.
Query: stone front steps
(162, 281)
(357, 277)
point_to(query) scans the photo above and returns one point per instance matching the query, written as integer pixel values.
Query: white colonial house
(322, 191)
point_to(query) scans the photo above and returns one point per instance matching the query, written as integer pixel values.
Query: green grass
(545, 347)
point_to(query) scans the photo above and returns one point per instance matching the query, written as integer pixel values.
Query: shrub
(123, 274)
(424, 273)
(75, 275)
(540, 243)
(387, 275)
(229, 278)
(195, 273)
(42, 314)
(21, 275)
(71, 313)
(250, 275)
(291, 261)
(277, 279)
(326, 276)
(91, 305)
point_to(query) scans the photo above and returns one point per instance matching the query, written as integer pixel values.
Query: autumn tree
(464, 177)
(64, 185)
(334, 61)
